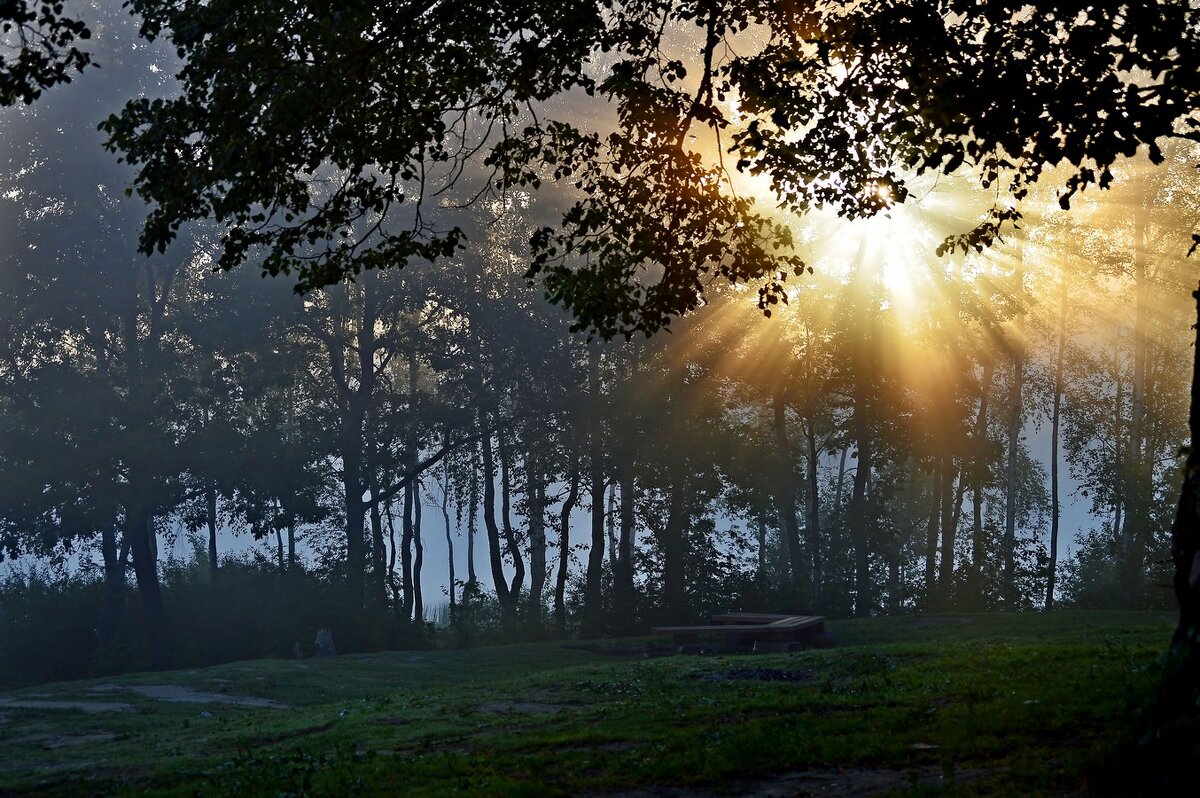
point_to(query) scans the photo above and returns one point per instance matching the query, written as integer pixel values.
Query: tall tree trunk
(473, 501)
(512, 545)
(624, 594)
(979, 467)
(114, 586)
(592, 596)
(406, 545)
(931, 534)
(1055, 420)
(1139, 482)
(210, 506)
(785, 498)
(1016, 419)
(291, 544)
(674, 551)
(378, 552)
(495, 556)
(1179, 693)
(419, 559)
(535, 493)
(564, 542)
(352, 489)
(393, 585)
(814, 513)
(449, 540)
(139, 529)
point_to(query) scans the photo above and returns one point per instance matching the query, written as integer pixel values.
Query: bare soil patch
(88, 707)
(179, 694)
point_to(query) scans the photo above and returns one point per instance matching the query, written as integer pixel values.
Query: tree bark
(785, 497)
(418, 615)
(1055, 422)
(624, 593)
(814, 514)
(592, 597)
(535, 493)
(495, 556)
(1016, 418)
(978, 473)
(564, 542)
(210, 506)
(512, 546)
(674, 551)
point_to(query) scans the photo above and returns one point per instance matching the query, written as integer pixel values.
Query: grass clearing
(961, 705)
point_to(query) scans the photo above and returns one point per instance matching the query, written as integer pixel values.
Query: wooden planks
(748, 628)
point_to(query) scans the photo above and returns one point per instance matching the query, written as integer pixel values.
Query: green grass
(962, 705)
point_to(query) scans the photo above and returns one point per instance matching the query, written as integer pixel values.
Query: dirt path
(178, 694)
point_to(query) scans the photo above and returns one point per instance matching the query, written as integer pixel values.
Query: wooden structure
(751, 631)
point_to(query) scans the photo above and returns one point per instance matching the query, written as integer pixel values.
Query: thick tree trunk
(139, 529)
(564, 543)
(1179, 693)
(674, 551)
(785, 498)
(114, 586)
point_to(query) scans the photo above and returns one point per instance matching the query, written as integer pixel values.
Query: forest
(563, 320)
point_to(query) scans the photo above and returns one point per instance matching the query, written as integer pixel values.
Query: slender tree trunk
(814, 514)
(291, 544)
(564, 542)
(512, 545)
(495, 556)
(1139, 483)
(624, 594)
(535, 493)
(393, 585)
(406, 546)
(210, 502)
(378, 552)
(979, 467)
(419, 558)
(931, 535)
(449, 541)
(592, 595)
(352, 489)
(785, 497)
(473, 500)
(1016, 418)
(1055, 420)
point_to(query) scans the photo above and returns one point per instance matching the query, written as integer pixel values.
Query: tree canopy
(38, 48)
(327, 141)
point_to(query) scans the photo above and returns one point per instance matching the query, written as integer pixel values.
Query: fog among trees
(837, 415)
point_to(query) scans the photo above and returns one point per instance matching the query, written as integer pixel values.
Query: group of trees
(866, 449)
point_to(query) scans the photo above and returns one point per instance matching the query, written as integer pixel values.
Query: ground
(961, 705)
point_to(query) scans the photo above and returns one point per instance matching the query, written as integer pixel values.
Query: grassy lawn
(955, 705)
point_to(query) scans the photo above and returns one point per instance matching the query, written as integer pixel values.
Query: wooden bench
(749, 630)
